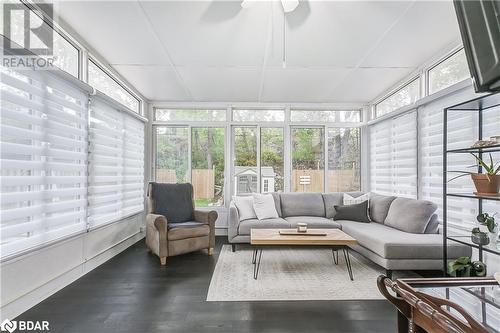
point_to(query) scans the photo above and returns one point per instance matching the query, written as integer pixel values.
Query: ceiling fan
(288, 5)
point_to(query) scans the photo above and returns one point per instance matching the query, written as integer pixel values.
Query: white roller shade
(43, 159)
(393, 156)
(116, 170)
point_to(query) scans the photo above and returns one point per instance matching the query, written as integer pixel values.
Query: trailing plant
(488, 221)
(489, 169)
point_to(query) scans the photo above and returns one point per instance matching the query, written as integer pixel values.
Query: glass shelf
(473, 196)
(489, 149)
(493, 247)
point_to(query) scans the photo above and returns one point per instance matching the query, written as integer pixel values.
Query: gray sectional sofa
(403, 234)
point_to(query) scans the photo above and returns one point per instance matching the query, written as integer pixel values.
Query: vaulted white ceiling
(336, 51)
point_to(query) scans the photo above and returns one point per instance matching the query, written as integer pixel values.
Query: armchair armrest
(156, 234)
(207, 217)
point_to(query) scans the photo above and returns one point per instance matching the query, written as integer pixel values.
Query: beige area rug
(292, 274)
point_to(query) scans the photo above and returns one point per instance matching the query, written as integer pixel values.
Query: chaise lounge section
(403, 233)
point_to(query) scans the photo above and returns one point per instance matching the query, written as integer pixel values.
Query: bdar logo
(8, 326)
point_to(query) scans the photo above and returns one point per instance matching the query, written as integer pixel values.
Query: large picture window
(116, 172)
(43, 159)
(393, 156)
(308, 159)
(207, 165)
(195, 155)
(344, 153)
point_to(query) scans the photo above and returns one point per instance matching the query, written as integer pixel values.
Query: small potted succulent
(488, 182)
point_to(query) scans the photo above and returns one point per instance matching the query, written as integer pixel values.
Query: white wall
(29, 279)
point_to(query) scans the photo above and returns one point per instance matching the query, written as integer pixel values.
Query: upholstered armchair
(173, 226)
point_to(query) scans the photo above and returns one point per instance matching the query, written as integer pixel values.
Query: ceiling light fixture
(289, 5)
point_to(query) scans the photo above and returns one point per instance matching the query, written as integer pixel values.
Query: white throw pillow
(264, 207)
(350, 200)
(245, 207)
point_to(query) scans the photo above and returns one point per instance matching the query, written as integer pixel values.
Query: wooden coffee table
(335, 239)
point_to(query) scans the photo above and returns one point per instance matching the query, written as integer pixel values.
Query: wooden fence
(203, 181)
(338, 180)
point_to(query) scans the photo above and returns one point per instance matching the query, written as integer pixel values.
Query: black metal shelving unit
(477, 105)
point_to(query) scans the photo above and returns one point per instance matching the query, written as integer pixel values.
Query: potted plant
(487, 183)
(489, 222)
(464, 267)
(460, 267)
(479, 237)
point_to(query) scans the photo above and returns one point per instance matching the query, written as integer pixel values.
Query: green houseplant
(464, 267)
(488, 182)
(488, 221)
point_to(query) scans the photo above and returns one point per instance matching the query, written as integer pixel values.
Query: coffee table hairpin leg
(257, 255)
(348, 262)
(335, 255)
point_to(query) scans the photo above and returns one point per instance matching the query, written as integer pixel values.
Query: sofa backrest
(410, 215)
(302, 204)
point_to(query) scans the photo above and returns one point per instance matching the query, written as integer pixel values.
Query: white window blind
(462, 132)
(393, 156)
(116, 169)
(43, 159)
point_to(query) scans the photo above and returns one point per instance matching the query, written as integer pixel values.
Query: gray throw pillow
(356, 212)
(174, 201)
(410, 215)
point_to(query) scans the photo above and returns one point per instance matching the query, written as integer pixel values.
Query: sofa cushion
(264, 206)
(302, 204)
(390, 243)
(355, 212)
(245, 226)
(312, 222)
(191, 232)
(352, 200)
(174, 201)
(410, 215)
(331, 200)
(188, 224)
(244, 204)
(277, 202)
(379, 206)
(433, 225)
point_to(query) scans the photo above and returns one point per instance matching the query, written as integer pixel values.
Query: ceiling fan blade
(247, 3)
(289, 5)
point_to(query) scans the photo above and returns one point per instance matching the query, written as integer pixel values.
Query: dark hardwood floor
(133, 293)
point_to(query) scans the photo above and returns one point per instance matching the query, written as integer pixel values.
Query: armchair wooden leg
(163, 261)
(210, 251)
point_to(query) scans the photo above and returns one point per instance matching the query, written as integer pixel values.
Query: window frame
(415, 78)
(436, 64)
(106, 71)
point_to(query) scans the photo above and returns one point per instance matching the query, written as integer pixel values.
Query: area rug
(292, 274)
